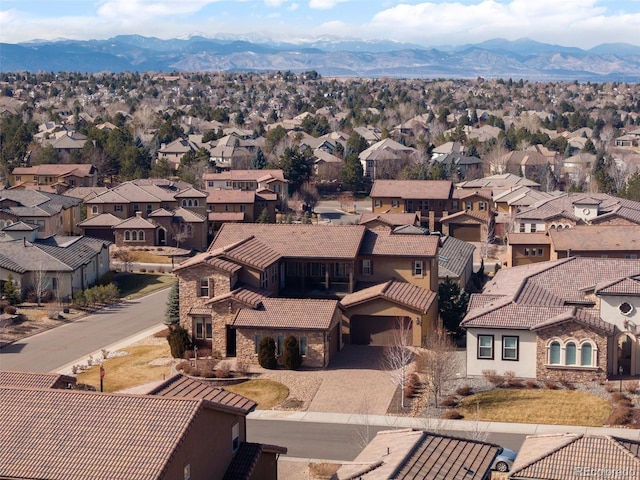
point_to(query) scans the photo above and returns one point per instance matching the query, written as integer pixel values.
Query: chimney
(432, 221)
(139, 214)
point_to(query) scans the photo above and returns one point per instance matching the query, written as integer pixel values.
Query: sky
(576, 23)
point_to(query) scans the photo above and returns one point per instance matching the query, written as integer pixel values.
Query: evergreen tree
(291, 357)
(259, 161)
(179, 341)
(172, 312)
(353, 174)
(10, 291)
(264, 217)
(631, 190)
(589, 147)
(267, 353)
(452, 304)
(296, 165)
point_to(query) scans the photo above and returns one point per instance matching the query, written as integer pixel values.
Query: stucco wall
(524, 367)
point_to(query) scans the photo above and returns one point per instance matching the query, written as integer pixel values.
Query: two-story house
(263, 181)
(377, 276)
(49, 175)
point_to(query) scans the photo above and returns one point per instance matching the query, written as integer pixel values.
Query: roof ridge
(617, 441)
(576, 437)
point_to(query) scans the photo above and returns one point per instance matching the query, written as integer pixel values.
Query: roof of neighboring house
(178, 146)
(415, 454)
(541, 294)
(247, 294)
(386, 242)
(471, 215)
(20, 256)
(412, 189)
(253, 252)
(522, 196)
(498, 181)
(57, 169)
(85, 192)
(102, 220)
(135, 222)
(454, 257)
(226, 216)
(596, 237)
(621, 286)
(73, 251)
(568, 455)
(246, 458)
(48, 202)
(538, 238)
(395, 291)
(33, 379)
(296, 241)
(78, 435)
(289, 313)
(231, 196)
(213, 259)
(20, 227)
(391, 219)
(245, 175)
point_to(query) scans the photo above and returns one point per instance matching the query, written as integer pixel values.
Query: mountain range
(331, 57)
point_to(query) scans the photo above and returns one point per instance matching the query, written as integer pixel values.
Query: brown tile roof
(462, 193)
(409, 454)
(246, 458)
(521, 317)
(473, 216)
(180, 386)
(231, 196)
(247, 294)
(212, 259)
(412, 189)
(395, 291)
(580, 316)
(226, 216)
(622, 286)
(253, 252)
(289, 313)
(102, 220)
(33, 379)
(597, 237)
(542, 238)
(568, 455)
(77, 435)
(495, 181)
(385, 242)
(244, 175)
(296, 241)
(55, 169)
(391, 219)
(135, 222)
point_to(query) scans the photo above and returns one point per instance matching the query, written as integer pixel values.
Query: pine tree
(10, 291)
(452, 304)
(179, 341)
(267, 353)
(291, 357)
(264, 216)
(172, 313)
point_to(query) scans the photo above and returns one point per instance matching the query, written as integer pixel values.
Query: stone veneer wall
(316, 346)
(149, 238)
(577, 332)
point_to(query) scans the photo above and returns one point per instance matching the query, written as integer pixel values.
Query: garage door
(370, 330)
(468, 233)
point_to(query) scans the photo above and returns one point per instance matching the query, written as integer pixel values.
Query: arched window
(196, 203)
(586, 355)
(134, 236)
(570, 353)
(127, 236)
(94, 209)
(554, 353)
(184, 202)
(190, 203)
(141, 235)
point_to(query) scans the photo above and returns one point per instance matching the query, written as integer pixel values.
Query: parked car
(504, 460)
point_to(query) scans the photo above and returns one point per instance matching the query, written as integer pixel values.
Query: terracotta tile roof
(246, 458)
(514, 238)
(622, 286)
(226, 216)
(289, 313)
(473, 216)
(596, 237)
(391, 219)
(510, 315)
(231, 196)
(212, 259)
(501, 180)
(77, 435)
(580, 316)
(32, 379)
(247, 294)
(409, 454)
(102, 220)
(135, 222)
(253, 252)
(296, 241)
(180, 386)
(385, 242)
(567, 455)
(395, 291)
(78, 169)
(462, 193)
(412, 189)
(244, 175)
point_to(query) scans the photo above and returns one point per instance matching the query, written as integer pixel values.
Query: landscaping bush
(492, 377)
(512, 381)
(531, 384)
(179, 341)
(620, 416)
(452, 415)
(291, 357)
(611, 387)
(450, 401)
(465, 391)
(411, 385)
(632, 387)
(223, 370)
(267, 353)
(11, 292)
(10, 310)
(184, 366)
(242, 368)
(567, 384)
(621, 400)
(550, 385)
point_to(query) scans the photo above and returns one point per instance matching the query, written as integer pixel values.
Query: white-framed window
(454, 205)
(571, 353)
(366, 266)
(141, 236)
(186, 472)
(468, 205)
(554, 353)
(94, 209)
(522, 228)
(127, 236)
(204, 328)
(302, 346)
(134, 236)
(534, 228)
(149, 208)
(377, 203)
(526, 252)
(510, 348)
(586, 355)
(485, 347)
(631, 256)
(235, 437)
(204, 286)
(184, 202)
(279, 344)
(482, 206)
(394, 203)
(418, 268)
(136, 207)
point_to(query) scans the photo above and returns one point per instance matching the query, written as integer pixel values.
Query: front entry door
(231, 341)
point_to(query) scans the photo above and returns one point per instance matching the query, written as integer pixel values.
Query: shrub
(107, 278)
(143, 270)
(620, 399)
(531, 384)
(242, 368)
(179, 341)
(492, 377)
(632, 387)
(512, 381)
(550, 385)
(411, 384)
(620, 416)
(10, 310)
(450, 401)
(610, 387)
(567, 384)
(223, 370)
(465, 391)
(267, 353)
(11, 292)
(184, 366)
(291, 357)
(452, 415)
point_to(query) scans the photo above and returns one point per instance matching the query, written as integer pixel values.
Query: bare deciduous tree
(124, 256)
(180, 232)
(40, 281)
(399, 355)
(439, 362)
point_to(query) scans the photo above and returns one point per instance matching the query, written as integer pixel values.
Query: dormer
(586, 209)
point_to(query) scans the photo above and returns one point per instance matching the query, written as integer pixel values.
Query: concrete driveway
(355, 383)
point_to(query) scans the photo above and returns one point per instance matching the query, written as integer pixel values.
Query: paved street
(330, 210)
(53, 349)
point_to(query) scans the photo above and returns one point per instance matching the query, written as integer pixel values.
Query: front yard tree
(267, 353)
(296, 165)
(172, 313)
(179, 341)
(291, 357)
(397, 356)
(439, 362)
(11, 291)
(452, 305)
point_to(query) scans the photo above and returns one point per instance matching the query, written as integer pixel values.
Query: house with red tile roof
(63, 176)
(255, 276)
(178, 428)
(572, 319)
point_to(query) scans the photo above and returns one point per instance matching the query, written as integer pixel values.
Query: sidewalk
(439, 424)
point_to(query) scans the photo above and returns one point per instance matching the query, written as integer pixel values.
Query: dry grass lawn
(129, 370)
(149, 257)
(266, 393)
(553, 407)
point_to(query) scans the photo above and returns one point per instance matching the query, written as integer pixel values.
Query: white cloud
(144, 9)
(324, 4)
(294, 6)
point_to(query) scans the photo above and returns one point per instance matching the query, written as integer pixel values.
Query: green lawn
(134, 285)
(553, 407)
